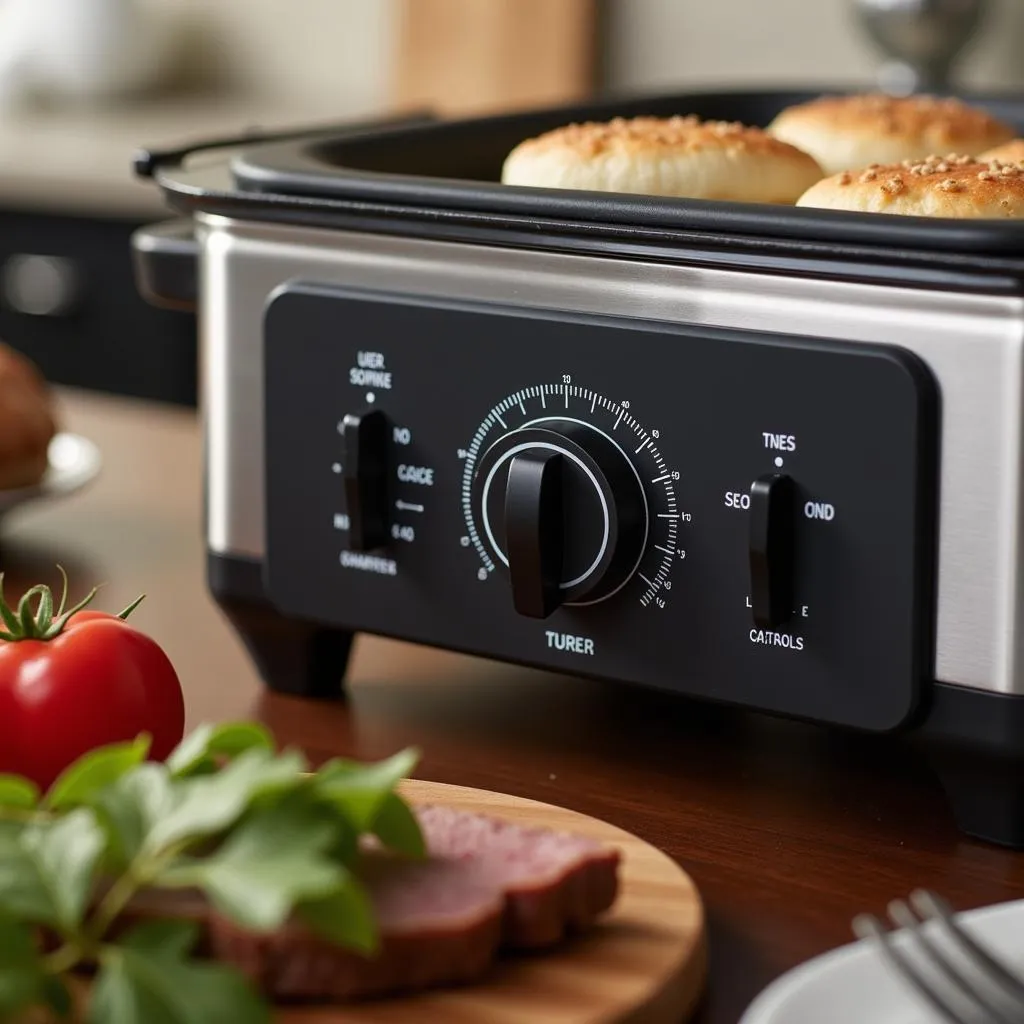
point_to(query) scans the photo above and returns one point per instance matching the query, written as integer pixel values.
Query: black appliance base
(302, 659)
(986, 797)
(973, 739)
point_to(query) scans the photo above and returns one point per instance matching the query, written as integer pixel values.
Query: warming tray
(437, 177)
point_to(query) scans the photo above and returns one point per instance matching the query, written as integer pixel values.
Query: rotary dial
(566, 494)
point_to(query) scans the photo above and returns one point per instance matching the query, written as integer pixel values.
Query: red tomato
(98, 681)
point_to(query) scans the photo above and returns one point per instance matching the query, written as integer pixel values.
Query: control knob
(563, 510)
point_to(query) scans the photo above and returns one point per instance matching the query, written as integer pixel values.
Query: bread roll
(1011, 152)
(953, 186)
(678, 156)
(27, 423)
(846, 133)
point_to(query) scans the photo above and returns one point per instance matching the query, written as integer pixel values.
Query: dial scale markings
(535, 406)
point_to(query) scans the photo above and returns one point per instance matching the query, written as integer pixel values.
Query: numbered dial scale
(566, 492)
(738, 516)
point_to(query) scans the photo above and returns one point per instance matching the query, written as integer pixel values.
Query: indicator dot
(371, 397)
(336, 467)
(778, 461)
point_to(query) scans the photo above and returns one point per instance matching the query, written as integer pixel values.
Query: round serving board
(643, 963)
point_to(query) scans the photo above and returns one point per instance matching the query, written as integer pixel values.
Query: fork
(962, 982)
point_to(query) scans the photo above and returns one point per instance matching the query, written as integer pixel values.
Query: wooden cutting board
(644, 963)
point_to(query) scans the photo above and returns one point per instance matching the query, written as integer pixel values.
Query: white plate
(74, 462)
(853, 985)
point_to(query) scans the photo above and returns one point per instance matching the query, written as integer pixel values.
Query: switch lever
(771, 549)
(534, 532)
(364, 471)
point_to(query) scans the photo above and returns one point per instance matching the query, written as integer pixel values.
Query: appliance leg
(295, 658)
(986, 795)
(291, 656)
(974, 740)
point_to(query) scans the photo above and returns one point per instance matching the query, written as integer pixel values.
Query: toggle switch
(772, 515)
(534, 532)
(364, 464)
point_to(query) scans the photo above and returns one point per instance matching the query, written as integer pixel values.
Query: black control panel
(737, 516)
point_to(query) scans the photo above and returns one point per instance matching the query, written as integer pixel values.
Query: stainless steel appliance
(759, 455)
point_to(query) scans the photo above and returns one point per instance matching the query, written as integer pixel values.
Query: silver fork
(957, 977)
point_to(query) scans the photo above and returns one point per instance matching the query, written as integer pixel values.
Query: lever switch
(364, 470)
(771, 549)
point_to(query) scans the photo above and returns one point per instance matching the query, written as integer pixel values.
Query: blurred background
(85, 82)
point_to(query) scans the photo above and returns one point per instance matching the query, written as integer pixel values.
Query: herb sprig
(264, 839)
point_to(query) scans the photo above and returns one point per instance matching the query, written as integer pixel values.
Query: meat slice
(554, 883)
(438, 925)
(485, 884)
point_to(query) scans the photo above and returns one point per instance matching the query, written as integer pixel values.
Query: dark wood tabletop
(788, 830)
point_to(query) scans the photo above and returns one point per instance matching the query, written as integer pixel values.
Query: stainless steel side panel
(973, 344)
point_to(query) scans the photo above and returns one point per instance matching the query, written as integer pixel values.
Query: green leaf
(21, 970)
(398, 828)
(197, 751)
(129, 808)
(63, 855)
(359, 790)
(274, 859)
(345, 845)
(162, 939)
(208, 804)
(23, 893)
(344, 917)
(18, 792)
(136, 987)
(56, 995)
(82, 779)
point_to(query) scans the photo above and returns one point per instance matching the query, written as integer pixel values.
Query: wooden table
(788, 830)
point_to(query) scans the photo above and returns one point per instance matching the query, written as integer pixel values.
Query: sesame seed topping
(682, 133)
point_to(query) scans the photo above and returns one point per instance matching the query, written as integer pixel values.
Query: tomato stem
(135, 604)
(64, 590)
(10, 621)
(44, 623)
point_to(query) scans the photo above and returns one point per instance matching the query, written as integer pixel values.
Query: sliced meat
(554, 883)
(487, 883)
(439, 925)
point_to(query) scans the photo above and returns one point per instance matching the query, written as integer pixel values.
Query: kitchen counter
(78, 160)
(787, 829)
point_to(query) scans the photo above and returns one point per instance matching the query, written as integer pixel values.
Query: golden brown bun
(845, 133)
(954, 186)
(1011, 152)
(27, 423)
(677, 156)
